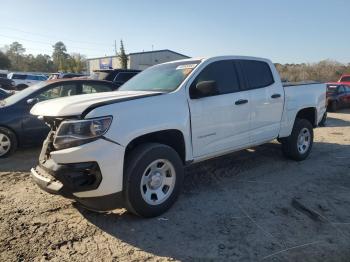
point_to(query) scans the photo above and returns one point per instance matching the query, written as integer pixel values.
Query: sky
(285, 31)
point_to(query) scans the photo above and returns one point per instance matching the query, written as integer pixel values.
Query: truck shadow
(195, 227)
(336, 122)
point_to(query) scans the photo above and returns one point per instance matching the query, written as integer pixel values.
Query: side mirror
(205, 88)
(32, 101)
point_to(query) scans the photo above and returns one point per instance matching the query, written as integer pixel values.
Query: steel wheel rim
(5, 144)
(304, 140)
(158, 182)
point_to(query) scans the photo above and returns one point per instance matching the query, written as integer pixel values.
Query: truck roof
(223, 57)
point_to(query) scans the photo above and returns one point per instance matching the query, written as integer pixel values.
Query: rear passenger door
(219, 122)
(266, 97)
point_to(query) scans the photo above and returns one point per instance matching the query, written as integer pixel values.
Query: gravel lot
(252, 205)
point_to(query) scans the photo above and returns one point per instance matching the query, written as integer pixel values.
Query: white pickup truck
(128, 148)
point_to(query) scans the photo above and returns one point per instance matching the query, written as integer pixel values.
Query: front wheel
(298, 145)
(153, 179)
(8, 142)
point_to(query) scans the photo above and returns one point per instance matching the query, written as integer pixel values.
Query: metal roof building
(137, 61)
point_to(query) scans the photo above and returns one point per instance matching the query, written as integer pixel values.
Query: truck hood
(76, 105)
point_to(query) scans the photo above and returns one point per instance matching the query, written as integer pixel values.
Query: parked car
(4, 93)
(338, 96)
(23, 80)
(344, 79)
(19, 128)
(128, 149)
(7, 84)
(64, 75)
(118, 76)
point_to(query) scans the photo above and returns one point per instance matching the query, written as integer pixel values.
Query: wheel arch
(308, 113)
(170, 137)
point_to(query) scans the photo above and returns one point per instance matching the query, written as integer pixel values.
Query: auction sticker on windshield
(188, 66)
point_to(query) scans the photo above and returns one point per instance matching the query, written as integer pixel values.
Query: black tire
(21, 87)
(290, 144)
(324, 120)
(137, 163)
(7, 135)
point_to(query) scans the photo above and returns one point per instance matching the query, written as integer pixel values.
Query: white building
(137, 61)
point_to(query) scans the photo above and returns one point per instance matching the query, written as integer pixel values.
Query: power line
(46, 43)
(47, 36)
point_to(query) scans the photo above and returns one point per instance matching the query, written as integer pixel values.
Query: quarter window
(223, 73)
(258, 73)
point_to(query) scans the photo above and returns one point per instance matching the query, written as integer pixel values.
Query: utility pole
(115, 48)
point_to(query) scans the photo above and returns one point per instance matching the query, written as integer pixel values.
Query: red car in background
(338, 93)
(345, 80)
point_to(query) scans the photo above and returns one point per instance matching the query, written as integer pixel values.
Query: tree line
(324, 71)
(13, 58)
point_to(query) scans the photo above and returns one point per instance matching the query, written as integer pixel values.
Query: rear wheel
(153, 179)
(298, 145)
(8, 142)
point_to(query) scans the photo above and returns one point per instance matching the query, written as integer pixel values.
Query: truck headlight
(77, 132)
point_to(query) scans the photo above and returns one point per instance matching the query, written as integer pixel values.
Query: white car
(128, 148)
(23, 80)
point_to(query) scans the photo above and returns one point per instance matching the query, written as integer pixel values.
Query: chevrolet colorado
(127, 148)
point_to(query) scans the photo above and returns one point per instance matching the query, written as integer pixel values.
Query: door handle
(276, 96)
(241, 102)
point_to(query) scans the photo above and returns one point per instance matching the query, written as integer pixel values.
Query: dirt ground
(252, 205)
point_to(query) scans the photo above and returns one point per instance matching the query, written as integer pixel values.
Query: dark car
(4, 93)
(118, 76)
(64, 75)
(338, 96)
(7, 84)
(19, 128)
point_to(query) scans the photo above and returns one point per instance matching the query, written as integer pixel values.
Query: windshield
(345, 79)
(161, 78)
(22, 94)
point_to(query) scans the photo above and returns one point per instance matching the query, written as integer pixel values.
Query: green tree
(15, 53)
(60, 56)
(123, 58)
(5, 62)
(78, 63)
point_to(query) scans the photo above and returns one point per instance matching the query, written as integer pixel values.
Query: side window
(258, 73)
(223, 73)
(20, 77)
(58, 91)
(347, 89)
(95, 88)
(123, 77)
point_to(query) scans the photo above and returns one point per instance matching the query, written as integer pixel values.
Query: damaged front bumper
(91, 174)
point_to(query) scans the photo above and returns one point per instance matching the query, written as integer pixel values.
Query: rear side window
(257, 73)
(223, 73)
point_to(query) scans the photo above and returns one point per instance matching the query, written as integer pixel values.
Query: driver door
(221, 122)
